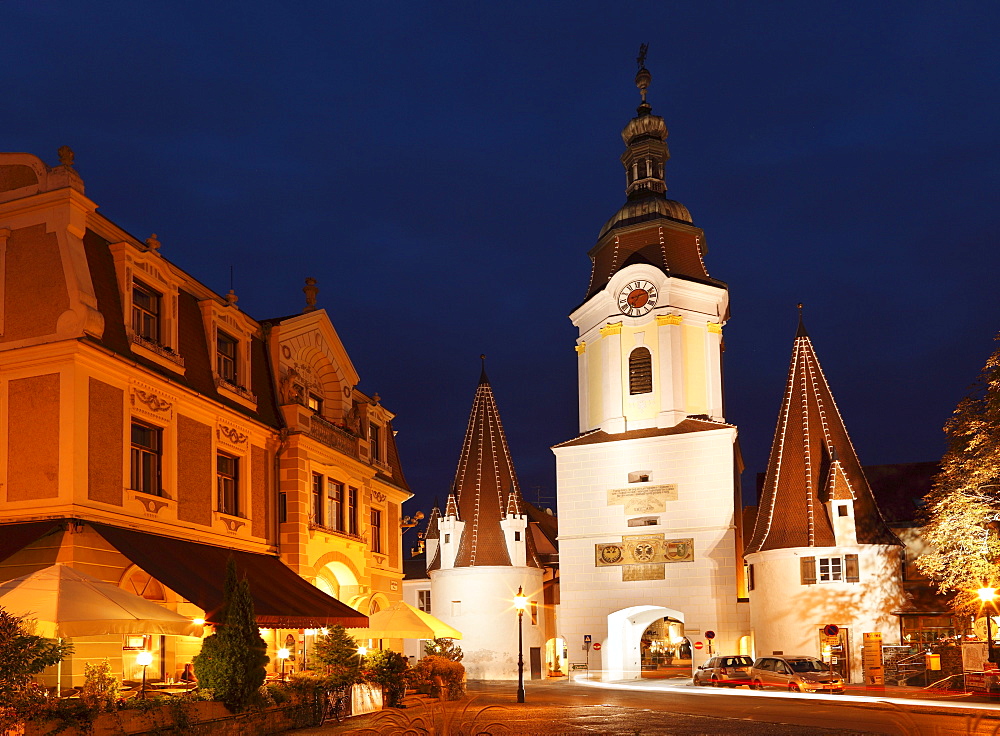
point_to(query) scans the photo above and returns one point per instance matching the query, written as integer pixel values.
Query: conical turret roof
(812, 461)
(486, 486)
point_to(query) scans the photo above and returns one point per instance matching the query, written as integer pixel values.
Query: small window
(335, 505)
(640, 371)
(447, 538)
(424, 600)
(517, 536)
(317, 499)
(146, 458)
(225, 356)
(282, 507)
(456, 608)
(374, 438)
(315, 403)
(376, 540)
(750, 577)
(533, 608)
(842, 509)
(352, 510)
(639, 476)
(146, 312)
(644, 521)
(227, 476)
(830, 569)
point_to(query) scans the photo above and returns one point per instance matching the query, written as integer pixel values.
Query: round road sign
(597, 646)
(709, 634)
(698, 645)
(831, 629)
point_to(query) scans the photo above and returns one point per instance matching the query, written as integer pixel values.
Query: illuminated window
(227, 477)
(146, 312)
(146, 455)
(335, 505)
(317, 499)
(640, 371)
(376, 535)
(225, 356)
(533, 608)
(315, 403)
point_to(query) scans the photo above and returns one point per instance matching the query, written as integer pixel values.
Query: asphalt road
(573, 708)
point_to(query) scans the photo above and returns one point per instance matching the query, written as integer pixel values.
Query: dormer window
(146, 312)
(226, 357)
(375, 439)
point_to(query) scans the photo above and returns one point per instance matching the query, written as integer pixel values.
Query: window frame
(227, 494)
(145, 451)
(316, 507)
(830, 569)
(352, 510)
(375, 540)
(227, 364)
(424, 601)
(142, 315)
(335, 504)
(640, 371)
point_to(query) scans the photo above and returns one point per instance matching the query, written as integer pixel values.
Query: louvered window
(640, 371)
(807, 568)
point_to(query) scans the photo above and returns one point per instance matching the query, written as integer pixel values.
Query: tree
(337, 652)
(446, 648)
(387, 668)
(22, 656)
(963, 508)
(233, 660)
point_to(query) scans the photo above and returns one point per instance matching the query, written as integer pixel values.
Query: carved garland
(233, 436)
(152, 401)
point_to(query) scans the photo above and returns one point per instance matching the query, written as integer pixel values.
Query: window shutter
(852, 572)
(640, 371)
(807, 566)
(749, 577)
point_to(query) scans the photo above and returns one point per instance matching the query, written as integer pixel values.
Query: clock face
(637, 298)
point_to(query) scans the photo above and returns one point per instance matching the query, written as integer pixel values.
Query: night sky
(442, 170)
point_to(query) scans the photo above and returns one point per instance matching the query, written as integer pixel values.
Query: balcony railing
(333, 436)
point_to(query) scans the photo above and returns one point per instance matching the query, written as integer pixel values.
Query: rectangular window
(424, 600)
(335, 505)
(225, 356)
(145, 312)
(533, 608)
(227, 475)
(146, 456)
(282, 508)
(830, 569)
(316, 511)
(352, 510)
(376, 536)
(374, 439)
(315, 403)
(456, 608)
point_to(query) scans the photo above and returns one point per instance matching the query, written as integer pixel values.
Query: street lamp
(282, 655)
(520, 603)
(989, 595)
(144, 659)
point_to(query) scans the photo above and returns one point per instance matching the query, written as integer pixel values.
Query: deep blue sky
(443, 168)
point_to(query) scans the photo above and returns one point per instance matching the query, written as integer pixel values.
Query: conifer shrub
(233, 660)
(337, 654)
(446, 648)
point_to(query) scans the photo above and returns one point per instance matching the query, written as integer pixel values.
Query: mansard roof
(485, 488)
(812, 460)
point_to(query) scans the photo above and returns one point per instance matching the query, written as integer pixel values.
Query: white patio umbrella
(67, 603)
(403, 621)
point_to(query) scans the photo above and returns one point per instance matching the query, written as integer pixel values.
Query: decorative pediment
(232, 435)
(151, 402)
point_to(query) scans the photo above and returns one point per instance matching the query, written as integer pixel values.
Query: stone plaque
(632, 573)
(643, 498)
(643, 550)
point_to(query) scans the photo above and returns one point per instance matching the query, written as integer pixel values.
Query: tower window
(640, 371)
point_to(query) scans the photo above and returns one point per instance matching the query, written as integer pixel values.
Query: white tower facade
(648, 492)
(481, 553)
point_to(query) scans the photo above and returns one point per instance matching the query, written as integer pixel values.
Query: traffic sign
(586, 638)
(709, 634)
(698, 645)
(831, 629)
(597, 646)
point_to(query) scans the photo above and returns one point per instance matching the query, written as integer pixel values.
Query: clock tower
(654, 450)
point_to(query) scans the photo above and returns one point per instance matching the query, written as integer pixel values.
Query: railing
(333, 436)
(221, 382)
(157, 348)
(313, 526)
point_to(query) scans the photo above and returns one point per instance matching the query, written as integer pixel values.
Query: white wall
(788, 616)
(704, 591)
(487, 619)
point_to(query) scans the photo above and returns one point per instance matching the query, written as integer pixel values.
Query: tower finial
(801, 332)
(311, 290)
(482, 374)
(643, 77)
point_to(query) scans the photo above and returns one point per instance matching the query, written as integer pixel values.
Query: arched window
(640, 371)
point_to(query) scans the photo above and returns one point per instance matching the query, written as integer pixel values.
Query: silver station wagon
(797, 674)
(729, 671)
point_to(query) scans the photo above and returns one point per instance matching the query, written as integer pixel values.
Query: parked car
(725, 671)
(796, 674)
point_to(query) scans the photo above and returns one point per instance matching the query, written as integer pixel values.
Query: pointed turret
(813, 468)
(486, 495)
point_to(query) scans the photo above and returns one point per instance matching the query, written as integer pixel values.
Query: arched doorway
(623, 651)
(664, 651)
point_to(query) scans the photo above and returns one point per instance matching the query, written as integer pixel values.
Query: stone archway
(622, 655)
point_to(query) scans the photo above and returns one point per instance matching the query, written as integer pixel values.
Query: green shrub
(233, 660)
(446, 648)
(100, 687)
(387, 669)
(22, 656)
(432, 670)
(337, 653)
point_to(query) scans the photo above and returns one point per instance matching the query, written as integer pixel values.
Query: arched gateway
(623, 655)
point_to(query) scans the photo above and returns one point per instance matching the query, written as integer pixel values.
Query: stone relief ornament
(231, 435)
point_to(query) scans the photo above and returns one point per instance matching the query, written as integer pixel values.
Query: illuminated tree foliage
(338, 654)
(963, 509)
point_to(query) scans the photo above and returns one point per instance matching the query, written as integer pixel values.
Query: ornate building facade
(151, 429)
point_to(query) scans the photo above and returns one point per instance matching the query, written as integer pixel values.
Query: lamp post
(520, 603)
(282, 655)
(989, 595)
(144, 659)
